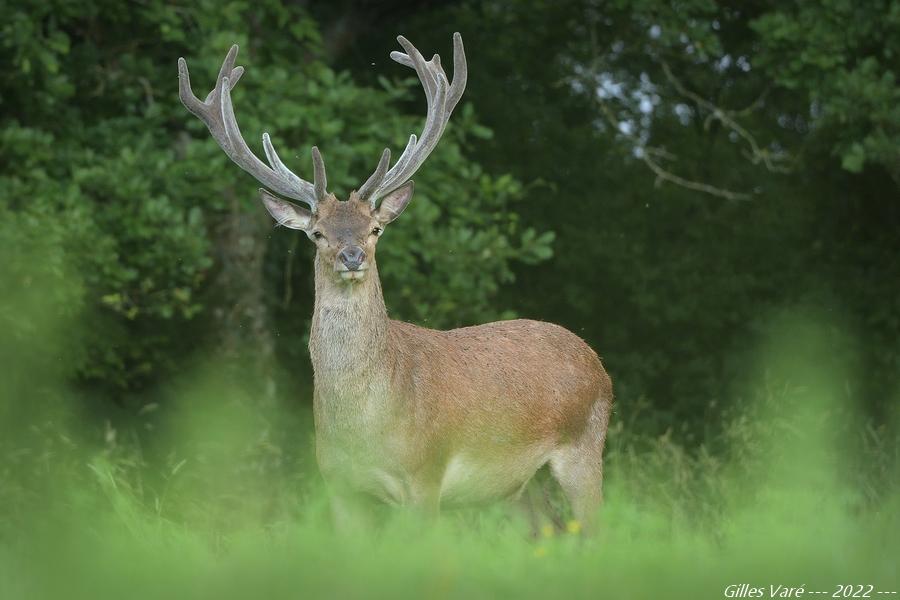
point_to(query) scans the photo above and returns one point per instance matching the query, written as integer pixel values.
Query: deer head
(345, 232)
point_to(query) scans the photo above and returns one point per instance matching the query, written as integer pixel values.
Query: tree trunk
(244, 336)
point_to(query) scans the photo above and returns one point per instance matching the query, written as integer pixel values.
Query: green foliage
(99, 154)
(843, 56)
(429, 274)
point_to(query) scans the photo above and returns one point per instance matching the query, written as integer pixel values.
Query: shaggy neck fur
(348, 345)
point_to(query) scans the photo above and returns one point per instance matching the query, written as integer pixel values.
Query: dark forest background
(666, 179)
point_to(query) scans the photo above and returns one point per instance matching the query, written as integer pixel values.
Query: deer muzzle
(352, 258)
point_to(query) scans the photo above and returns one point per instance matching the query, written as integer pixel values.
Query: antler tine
(377, 177)
(460, 69)
(435, 120)
(320, 182)
(441, 95)
(431, 134)
(424, 69)
(460, 72)
(319, 179)
(227, 70)
(374, 182)
(217, 113)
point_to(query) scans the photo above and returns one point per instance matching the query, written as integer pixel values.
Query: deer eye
(377, 231)
(318, 235)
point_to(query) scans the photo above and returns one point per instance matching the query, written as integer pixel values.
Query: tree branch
(646, 154)
(756, 154)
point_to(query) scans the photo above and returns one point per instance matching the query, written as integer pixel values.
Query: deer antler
(217, 113)
(442, 96)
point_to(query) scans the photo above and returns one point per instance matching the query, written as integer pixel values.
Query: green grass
(206, 493)
(215, 510)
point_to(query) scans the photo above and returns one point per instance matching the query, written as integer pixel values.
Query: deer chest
(361, 445)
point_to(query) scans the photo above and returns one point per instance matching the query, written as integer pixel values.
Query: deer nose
(352, 257)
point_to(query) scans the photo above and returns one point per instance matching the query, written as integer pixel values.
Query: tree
(165, 233)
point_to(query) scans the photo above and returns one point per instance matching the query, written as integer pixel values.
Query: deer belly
(473, 479)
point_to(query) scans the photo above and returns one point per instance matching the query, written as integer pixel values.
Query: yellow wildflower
(573, 526)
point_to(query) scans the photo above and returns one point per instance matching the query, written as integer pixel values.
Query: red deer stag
(404, 414)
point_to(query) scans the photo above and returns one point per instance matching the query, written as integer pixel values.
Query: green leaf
(854, 159)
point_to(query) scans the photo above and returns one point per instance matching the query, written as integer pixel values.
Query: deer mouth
(353, 275)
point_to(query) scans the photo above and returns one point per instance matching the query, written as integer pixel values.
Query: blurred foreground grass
(208, 493)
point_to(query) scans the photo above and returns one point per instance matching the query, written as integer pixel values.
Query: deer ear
(285, 213)
(393, 204)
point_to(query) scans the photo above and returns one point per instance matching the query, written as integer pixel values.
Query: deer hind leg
(535, 504)
(578, 467)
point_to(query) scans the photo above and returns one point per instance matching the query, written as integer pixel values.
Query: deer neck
(349, 335)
